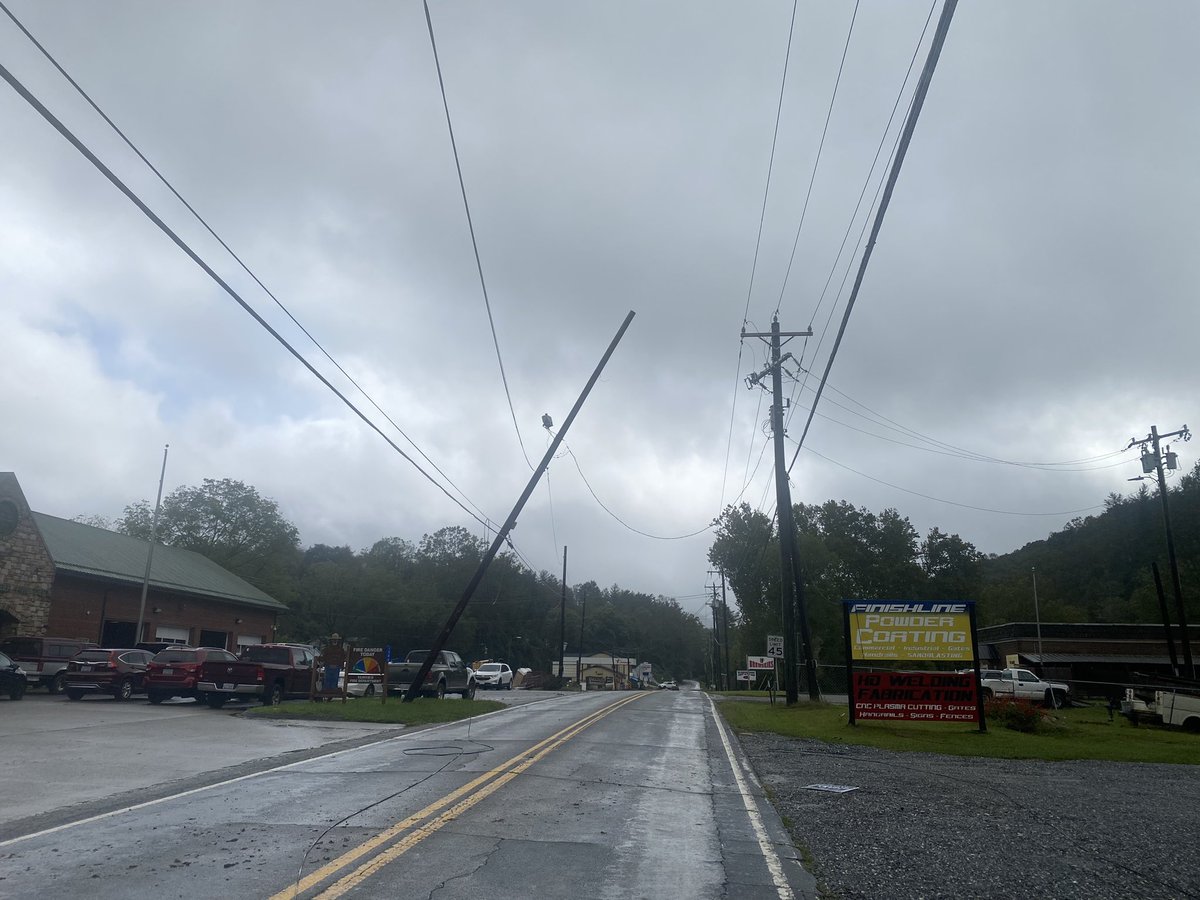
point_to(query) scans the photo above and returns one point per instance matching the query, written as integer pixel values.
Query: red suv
(121, 673)
(173, 672)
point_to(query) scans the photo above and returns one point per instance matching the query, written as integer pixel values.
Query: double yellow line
(462, 799)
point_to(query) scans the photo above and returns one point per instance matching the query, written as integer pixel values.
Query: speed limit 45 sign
(775, 645)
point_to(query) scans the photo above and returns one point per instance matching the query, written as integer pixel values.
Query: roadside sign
(760, 662)
(745, 675)
(775, 646)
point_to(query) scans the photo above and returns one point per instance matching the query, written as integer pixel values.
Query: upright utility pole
(137, 635)
(579, 658)
(562, 618)
(718, 680)
(1154, 439)
(789, 565)
(725, 629)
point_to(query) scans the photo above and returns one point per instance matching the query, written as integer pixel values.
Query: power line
(757, 245)
(1002, 512)
(871, 171)
(471, 227)
(817, 161)
(208, 270)
(967, 455)
(161, 177)
(935, 49)
(657, 537)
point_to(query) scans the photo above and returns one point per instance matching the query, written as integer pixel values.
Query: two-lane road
(599, 795)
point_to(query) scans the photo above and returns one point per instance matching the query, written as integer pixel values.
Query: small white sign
(775, 645)
(745, 675)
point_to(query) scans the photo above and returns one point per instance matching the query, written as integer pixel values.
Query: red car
(173, 672)
(120, 672)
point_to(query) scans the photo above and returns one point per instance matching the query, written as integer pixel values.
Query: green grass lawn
(425, 711)
(1077, 733)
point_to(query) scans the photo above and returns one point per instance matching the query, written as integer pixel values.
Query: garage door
(171, 634)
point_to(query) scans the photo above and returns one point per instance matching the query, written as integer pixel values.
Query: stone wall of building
(26, 568)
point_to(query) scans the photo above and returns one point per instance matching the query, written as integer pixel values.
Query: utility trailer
(1176, 703)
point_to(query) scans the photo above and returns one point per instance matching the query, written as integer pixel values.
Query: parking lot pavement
(65, 758)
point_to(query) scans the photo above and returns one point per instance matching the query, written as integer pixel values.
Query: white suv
(494, 675)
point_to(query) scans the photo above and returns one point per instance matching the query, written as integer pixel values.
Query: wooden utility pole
(1156, 465)
(439, 642)
(792, 599)
(562, 620)
(725, 628)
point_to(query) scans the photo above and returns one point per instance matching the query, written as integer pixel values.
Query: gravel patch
(922, 825)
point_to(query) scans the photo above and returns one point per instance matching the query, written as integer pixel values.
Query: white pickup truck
(1021, 684)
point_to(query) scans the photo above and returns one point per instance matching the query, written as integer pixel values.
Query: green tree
(230, 523)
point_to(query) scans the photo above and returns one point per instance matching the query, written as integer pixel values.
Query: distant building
(599, 670)
(1087, 653)
(66, 579)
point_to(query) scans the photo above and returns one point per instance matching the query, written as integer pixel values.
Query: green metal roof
(94, 552)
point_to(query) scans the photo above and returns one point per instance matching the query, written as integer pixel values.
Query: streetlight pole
(137, 635)
(1037, 618)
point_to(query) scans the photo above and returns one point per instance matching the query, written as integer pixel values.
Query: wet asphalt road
(583, 795)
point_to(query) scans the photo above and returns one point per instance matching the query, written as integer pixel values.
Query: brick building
(66, 579)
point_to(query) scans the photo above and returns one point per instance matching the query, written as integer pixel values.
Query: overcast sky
(1031, 297)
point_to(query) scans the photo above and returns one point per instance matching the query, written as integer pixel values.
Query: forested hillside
(1097, 569)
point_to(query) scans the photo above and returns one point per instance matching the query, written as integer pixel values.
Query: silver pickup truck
(448, 675)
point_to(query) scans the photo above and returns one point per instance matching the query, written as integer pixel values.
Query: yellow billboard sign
(899, 630)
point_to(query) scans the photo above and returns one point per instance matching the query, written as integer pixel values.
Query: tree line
(1096, 569)
(399, 593)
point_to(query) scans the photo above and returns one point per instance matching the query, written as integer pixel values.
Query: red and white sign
(916, 696)
(760, 662)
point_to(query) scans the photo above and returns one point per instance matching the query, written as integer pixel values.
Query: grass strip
(1076, 733)
(425, 711)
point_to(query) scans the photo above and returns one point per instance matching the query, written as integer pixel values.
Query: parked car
(494, 675)
(361, 685)
(12, 678)
(175, 672)
(120, 672)
(448, 675)
(668, 686)
(43, 658)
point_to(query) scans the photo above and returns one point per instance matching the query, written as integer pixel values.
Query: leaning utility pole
(793, 600)
(1155, 464)
(439, 642)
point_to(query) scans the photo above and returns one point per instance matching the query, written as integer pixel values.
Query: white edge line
(760, 832)
(208, 787)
